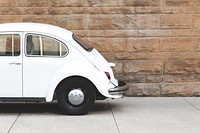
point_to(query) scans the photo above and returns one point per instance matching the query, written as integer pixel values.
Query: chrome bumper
(120, 89)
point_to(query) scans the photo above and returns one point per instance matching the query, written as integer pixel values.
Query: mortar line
(14, 122)
(191, 104)
(113, 116)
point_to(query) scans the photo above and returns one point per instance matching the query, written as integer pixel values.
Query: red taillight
(108, 75)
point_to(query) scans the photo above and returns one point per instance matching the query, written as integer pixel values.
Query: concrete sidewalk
(127, 115)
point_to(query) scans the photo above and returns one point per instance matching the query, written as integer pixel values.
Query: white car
(40, 62)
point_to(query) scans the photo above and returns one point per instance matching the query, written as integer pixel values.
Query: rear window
(82, 43)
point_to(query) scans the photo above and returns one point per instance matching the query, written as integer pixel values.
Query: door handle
(15, 63)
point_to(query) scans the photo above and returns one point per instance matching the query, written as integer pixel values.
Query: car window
(9, 45)
(39, 45)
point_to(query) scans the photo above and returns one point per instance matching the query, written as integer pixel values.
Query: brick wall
(154, 43)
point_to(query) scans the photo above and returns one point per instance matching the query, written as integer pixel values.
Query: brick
(197, 45)
(131, 33)
(143, 22)
(181, 67)
(180, 56)
(141, 2)
(108, 56)
(180, 89)
(143, 67)
(197, 21)
(103, 3)
(138, 78)
(71, 22)
(34, 3)
(85, 10)
(8, 3)
(118, 68)
(126, 56)
(143, 89)
(142, 44)
(149, 56)
(74, 10)
(188, 9)
(8, 18)
(166, 10)
(197, 55)
(155, 33)
(106, 22)
(34, 11)
(176, 21)
(117, 45)
(132, 78)
(67, 3)
(10, 11)
(38, 19)
(102, 33)
(187, 33)
(177, 2)
(147, 10)
(154, 78)
(109, 3)
(81, 33)
(195, 2)
(101, 44)
(196, 77)
(178, 78)
(93, 3)
(59, 10)
(177, 44)
(118, 10)
(115, 33)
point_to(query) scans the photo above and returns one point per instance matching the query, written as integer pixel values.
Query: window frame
(20, 42)
(40, 35)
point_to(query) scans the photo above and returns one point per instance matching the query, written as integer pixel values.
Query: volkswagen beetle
(41, 62)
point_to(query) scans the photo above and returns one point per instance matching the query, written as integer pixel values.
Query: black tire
(84, 87)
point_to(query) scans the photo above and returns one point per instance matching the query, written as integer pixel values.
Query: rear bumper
(120, 89)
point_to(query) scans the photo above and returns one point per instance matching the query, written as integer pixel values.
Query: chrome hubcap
(76, 96)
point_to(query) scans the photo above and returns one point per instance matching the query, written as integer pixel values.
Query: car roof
(34, 27)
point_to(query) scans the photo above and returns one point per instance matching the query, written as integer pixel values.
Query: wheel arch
(51, 95)
(73, 77)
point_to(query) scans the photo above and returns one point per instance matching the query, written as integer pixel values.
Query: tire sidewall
(89, 96)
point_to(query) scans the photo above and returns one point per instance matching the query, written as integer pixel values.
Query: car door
(44, 57)
(10, 65)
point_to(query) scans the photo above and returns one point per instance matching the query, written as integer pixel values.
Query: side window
(9, 45)
(45, 46)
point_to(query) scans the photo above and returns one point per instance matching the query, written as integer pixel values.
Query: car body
(41, 62)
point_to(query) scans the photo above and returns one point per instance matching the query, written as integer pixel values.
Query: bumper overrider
(120, 89)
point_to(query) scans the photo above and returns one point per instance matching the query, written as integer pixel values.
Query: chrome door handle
(15, 63)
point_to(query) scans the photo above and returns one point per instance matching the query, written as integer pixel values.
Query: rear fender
(98, 78)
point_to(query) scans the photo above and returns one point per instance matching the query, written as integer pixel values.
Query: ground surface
(127, 115)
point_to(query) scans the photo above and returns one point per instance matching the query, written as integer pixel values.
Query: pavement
(126, 115)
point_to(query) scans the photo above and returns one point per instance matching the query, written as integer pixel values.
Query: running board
(28, 99)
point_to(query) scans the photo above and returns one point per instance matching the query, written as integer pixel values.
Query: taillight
(108, 75)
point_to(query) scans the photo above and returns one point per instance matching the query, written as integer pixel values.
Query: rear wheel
(76, 96)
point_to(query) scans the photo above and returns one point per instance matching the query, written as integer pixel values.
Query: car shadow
(103, 106)
(29, 108)
(48, 108)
